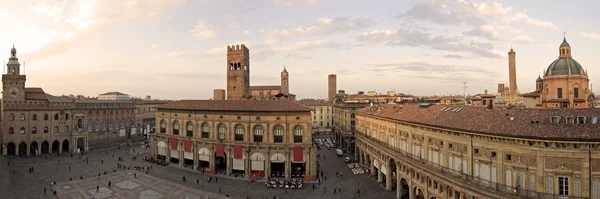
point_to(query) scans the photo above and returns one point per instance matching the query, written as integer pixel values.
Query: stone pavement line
(125, 186)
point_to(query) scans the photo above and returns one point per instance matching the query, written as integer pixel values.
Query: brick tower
(332, 87)
(238, 72)
(512, 71)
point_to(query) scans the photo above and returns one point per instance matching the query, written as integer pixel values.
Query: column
(195, 155)
(247, 163)
(211, 160)
(356, 155)
(388, 179)
(372, 168)
(168, 150)
(181, 155)
(87, 144)
(229, 163)
(399, 187)
(411, 190)
(288, 166)
(379, 175)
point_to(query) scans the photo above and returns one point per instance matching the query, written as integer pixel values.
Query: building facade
(40, 123)
(145, 115)
(438, 151)
(253, 138)
(321, 115)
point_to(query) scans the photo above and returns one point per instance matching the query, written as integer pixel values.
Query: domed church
(565, 83)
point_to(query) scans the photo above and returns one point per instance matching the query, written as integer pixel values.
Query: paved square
(124, 185)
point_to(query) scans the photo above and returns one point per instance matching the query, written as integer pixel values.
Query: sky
(177, 49)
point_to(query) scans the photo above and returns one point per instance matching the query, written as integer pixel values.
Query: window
(581, 120)
(175, 127)
(11, 130)
(66, 129)
(258, 133)
(97, 125)
(33, 130)
(483, 102)
(46, 116)
(297, 134)
(163, 126)
(22, 130)
(278, 134)
(570, 120)
(104, 125)
(22, 117)
(559, 93)
(34, 117)
(45, 129)
(110, 125)
(205, 130)
(11, 117)
(239, 132)
(508, 157)
(56, 129)
(89, 127)
(493, 154)
(563, 186)
(576, 92)
(222, 130)
(189, 129)
(476, 151)
(67, 116)
(56, 116)
(123, 123)
(554, 119)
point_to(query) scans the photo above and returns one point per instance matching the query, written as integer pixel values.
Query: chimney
(485, 91)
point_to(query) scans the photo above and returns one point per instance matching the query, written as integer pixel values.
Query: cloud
(523, 40)
(203, 31)
(594, 36)
(525, 18)
(453, 56)
(234, 25)
(154, 46)
(293, 3)
(309, 45)
(490, 7)
(426, 70)
(323, 26)
(435, 13)
(416, 38)
(246, 32)
(492, 32)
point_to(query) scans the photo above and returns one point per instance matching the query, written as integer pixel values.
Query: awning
(174, 154)
(204, 154)
(187, 146)
(238, 164)
(237, 151)
(174, 143)
(188, 155)
(220, 150)
(298, 154)
(278, 158)
(162, 151)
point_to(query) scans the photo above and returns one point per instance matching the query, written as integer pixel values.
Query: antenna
(465, 90)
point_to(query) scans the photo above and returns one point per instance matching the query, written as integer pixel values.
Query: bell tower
(285, 83)
(13, 83)
(238, 72)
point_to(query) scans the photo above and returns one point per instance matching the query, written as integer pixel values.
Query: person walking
(97, 188)
(109, 184)
(197, 181)
(44, 190)
(69, 168)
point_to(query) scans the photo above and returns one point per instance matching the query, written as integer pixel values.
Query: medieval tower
(332, 86)
(285, 86)
(512, 72)
(238, 72)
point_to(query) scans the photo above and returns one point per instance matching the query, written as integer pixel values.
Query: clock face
(14, 92)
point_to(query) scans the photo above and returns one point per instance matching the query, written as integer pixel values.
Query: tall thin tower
(332, 86)
(512, 71)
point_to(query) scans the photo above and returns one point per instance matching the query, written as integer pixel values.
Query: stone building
(34, 122)
(321, 115)
(256, 138)
(238, 79)
(145, 115)
(565, 83)
(438, 151)
(483, 100)
(114, 96)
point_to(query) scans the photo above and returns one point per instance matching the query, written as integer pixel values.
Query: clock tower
(13, 83)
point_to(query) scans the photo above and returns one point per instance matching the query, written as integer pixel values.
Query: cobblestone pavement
(23, 184)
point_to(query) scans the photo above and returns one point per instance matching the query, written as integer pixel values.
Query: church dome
(13, 50)
(565, 43)
(539, 79)
(565, 66)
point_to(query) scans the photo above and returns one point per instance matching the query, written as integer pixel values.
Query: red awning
(237, 151)
(174, 143)
(220, 150)
(298, 154)
(187, 146)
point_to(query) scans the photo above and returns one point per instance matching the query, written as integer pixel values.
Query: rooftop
(236, 105)
(525, 123)
(267, 87)
(114, 93)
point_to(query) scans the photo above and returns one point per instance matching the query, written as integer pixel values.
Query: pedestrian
(102, 161)
(334, 191)
(339, 189)
(8, 164)
(337, 174)
(97, 188)
(44, 190)
(70, 179)
(134, 175)
(69, 168)
(324, 189)
(219, 189)
(54, 192)
(216, 180)
(358, 191)
(58, 161)
(109, 183)
(197, 181)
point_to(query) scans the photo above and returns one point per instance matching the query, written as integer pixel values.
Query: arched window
(104, 125)
(222, 130)
(278, 134)
(298, 134)
(66, 129)
(45, 129)
(46, 116)
(22, 117)
(123, 123)
(163, 126)
(97, 125)
(22, 130)
(11, 130)
(56, 116)
(258, 133)
(189, 129)
(110, 124)
(175, 127)
(79, 124)
(205, 130)
(239, 132)
(55, 129)
(33, 130)
(11, 117)
(34, 117)
(89, 127)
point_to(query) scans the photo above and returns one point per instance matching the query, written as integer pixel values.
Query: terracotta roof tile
(35, 94)
(532, 94)
(317, 103)
(235, 105)
(527, 123)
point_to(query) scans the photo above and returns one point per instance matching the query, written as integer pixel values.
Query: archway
(161, 150)
(45, 147)
(203, 158)
(393, 173)
(257, 168)
(55, 146)
(22, 149)
(65, 146)
(418, 193)
(220, 163)
(33, 147)
(277, 165)
(432, 197)
(404, 190)
(80, 145)
(11, 149)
